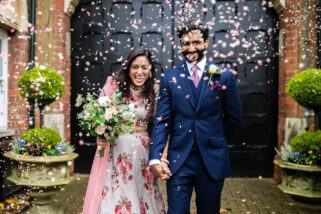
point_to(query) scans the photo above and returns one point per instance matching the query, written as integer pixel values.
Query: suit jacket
(207, 122)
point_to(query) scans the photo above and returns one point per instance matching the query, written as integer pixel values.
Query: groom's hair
(192, 25)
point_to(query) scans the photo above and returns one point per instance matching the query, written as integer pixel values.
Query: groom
(198, 111)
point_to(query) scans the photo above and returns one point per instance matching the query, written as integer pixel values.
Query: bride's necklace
(135, 91)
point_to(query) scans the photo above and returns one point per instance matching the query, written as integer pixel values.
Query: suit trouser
(180, 187)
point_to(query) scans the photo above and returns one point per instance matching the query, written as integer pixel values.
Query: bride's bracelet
(165, 160)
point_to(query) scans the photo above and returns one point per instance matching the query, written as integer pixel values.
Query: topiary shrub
(305, 88)
(44, 136)
(41, 85)
(306, 148)
(41, 142)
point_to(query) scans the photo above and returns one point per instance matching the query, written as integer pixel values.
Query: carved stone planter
(300, 180)
(43, 177)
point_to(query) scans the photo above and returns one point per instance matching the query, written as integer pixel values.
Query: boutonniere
(213, 71)
(215, 85)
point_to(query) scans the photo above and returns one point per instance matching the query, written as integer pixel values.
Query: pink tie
(195, 75)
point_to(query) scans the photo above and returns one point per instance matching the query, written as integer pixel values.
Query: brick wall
(292, 58)
(62, 60)
(52, 25)
(18, 59)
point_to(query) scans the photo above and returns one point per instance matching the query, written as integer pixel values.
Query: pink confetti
(234, 72)
(173, 80)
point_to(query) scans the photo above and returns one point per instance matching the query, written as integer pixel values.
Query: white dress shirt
(201, 65)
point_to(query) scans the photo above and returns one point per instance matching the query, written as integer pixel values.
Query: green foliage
(306, 148)
(45, 136)
(41, 142)
(305, 88)
(41, 85)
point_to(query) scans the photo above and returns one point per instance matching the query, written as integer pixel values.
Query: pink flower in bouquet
(109, 112)
(100, 130)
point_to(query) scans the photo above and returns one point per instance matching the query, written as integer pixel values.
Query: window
(3, 79)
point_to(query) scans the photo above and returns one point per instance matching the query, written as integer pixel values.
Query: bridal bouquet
(105, 117)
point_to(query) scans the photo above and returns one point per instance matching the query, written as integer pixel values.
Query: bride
(121, 182)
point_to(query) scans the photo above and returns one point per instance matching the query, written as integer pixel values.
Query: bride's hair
(124, 80)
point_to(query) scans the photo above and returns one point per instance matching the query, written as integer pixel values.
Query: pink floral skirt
(129, 185)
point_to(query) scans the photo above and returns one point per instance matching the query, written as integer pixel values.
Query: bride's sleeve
(99, 166)
(109, 87)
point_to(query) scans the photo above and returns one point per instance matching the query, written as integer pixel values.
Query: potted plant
(40, 159)
(42, 162)
(300, 161)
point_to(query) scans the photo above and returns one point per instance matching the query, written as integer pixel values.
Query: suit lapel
(184, 81)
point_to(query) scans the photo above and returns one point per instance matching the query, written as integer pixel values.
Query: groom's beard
(194, 57)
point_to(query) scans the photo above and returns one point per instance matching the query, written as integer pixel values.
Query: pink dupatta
(98, 170)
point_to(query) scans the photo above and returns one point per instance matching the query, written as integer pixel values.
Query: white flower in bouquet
(104, 101)
(131, 107)
(128, 115)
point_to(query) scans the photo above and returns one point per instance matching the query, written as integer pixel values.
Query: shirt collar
(201, 65)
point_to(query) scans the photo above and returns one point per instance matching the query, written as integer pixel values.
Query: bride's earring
(150, 74)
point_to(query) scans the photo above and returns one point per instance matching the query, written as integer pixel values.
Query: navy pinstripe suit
(198, 119)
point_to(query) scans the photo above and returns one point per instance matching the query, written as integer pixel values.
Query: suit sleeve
(232, 118)
(162, 121)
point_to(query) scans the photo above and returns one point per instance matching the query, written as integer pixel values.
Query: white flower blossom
(104, 101)
(131, 107)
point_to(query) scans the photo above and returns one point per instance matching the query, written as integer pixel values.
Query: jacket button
(191, 135)
(195, 118)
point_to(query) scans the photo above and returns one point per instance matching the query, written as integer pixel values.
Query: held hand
(157, 170)
(101, 142)
(101, 145)
(166, 170)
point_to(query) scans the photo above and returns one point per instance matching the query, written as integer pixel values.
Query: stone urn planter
(43, 177)
(300, 180)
